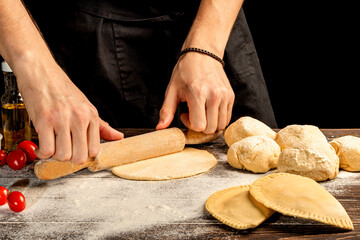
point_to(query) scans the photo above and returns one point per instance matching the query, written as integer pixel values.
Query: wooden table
(99, 205)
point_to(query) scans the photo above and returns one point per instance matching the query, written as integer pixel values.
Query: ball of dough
(258, 154)
(317, 161)
(348, 150)
(294, 134)
(246, 127)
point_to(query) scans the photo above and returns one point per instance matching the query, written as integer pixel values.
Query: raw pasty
(246, 127)
(317, 161)
(293, 134)
(258, 154)
(237, 208)
(298, 196)
(348, 150)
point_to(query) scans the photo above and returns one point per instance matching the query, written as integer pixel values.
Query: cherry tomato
(16, 201)
(16, 159)
(28, 148)
(3, 156)
(3, 195)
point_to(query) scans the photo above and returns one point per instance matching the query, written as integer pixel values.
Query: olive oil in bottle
(15, 119)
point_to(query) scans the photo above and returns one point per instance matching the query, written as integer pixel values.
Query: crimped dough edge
(256, 192)
(224, 219)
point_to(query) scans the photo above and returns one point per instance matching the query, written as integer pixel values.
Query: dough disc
(192, 137)
(182, 164)
(299, 196)
(236, 208)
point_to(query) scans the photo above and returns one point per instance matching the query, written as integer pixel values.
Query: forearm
(212, 25)
(21, 44)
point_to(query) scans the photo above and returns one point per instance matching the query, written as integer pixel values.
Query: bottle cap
(5, 67)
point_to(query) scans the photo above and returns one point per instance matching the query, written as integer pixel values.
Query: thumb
(108, 133)
(168, 110)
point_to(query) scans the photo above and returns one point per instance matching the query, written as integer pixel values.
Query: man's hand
(200, 81)
(67, 124)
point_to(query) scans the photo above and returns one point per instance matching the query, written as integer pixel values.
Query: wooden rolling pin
(116, 153)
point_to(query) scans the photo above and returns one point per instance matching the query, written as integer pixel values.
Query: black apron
(121, 56)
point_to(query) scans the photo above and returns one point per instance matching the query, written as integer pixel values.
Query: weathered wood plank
(89, 205)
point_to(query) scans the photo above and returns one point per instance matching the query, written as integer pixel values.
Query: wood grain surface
(52, 205)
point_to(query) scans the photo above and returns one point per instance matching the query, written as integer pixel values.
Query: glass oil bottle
(15, 119)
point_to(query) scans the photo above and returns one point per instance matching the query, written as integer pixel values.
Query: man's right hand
(68, 125)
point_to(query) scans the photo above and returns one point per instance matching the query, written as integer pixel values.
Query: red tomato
(3, 195)
(29, 149)
(16, 201)
(3, 156)
(16, 159)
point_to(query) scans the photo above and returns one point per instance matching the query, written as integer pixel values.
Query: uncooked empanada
(299, 196)
(257, 153)
(237, 208)
(348, 150)
(246, 127)
(293, 134)
(315, 160)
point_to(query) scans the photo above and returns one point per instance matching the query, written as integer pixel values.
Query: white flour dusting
(104, 205)
(117, 205)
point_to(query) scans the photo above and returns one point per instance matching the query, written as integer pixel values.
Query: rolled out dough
(182, 164)
(192, 137)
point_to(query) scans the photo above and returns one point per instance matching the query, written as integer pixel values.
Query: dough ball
(293, 134)
(258, 154)
(348, 150)
(317, 161)
(246, 127)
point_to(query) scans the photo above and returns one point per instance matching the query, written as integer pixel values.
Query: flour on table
(89, 205)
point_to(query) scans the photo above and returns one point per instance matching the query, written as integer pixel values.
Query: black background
(310, 60)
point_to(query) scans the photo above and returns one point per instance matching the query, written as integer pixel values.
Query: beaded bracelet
(186, 50)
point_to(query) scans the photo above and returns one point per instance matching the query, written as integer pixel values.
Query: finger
(168, 109)
(108, 133)
(93, 138)
(79, 143)
(212, 115)
(63, 149)
(46, 142)
(184, 117)
(229, 111)
(197, 114)
(223, 116)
